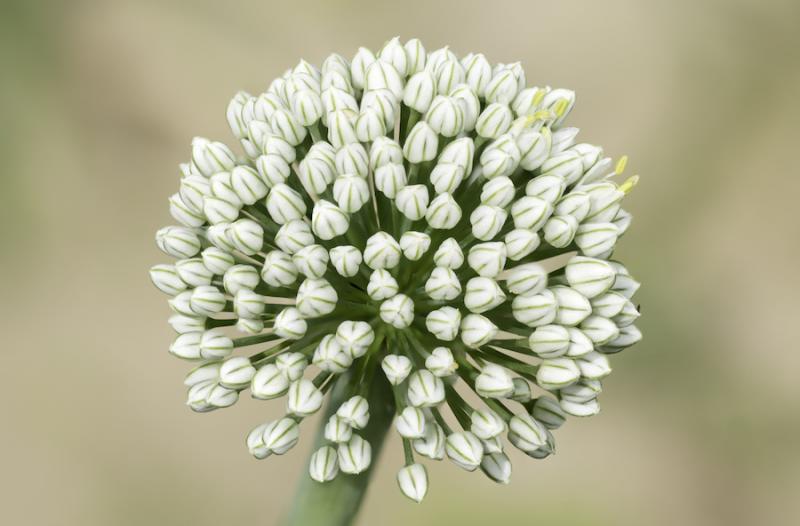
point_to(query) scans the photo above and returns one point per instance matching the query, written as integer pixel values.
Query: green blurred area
(99, 103)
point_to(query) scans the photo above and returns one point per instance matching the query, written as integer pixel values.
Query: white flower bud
(382, 251)
(207, 372)
(384, 151)
(487, 221)
(315, 298)
(566, 166)
(273, 169)
(341, 127)
(527, 279)
(248, 184)
(197, 396)
(608, 304)
(248, 304)
(329, 356)
(219, 210)
(535, 310)
(416, 56)
(502, 87)
(393, 53)
(443, 213)
(194, 189)
(291, 365)
(412, 201)
(354, 456)
(432, 444)
(465, 450)
(181, 303)
(289, 324)
(520, 242)
(279, 269)
(236, 372)
(593, 365)
(304, 398)
(548, 411)
(167, 279)
(470, 105)
(497, 162)
(600, 330)
(557, 373)
(414, 244)
(628, 335)
(443, 284)
(494, 121)
(214, 344)
(494, 381)
(628, 315)
(413, 482)
(530, 213)
(250, 325)
(459, 152)
(383, 75)
(528, 100)
(183, 324)
(526, 433)
(247, 236)
(421, 144)
(355, 412)
(234, 114)
(284, 204)
(219, 396)
(604, 202)
(448, 74)
(573, 307)
(449, 254)
(207, 300)
(419, 91)
(362, 60)
(445, 116)
(589, 276)
(425, 389)
(328, 220)
(275, 145)
(487, 259)
(534, 147)
(337, 430)
(211, 157)
(624, 282)
(281, 435)
(582, 409)
(240, 277)
(187, 346)
(410, 423)
(355, 337)
(346, 259)
(370, 125)
(446, 177)
(441, 362)
(546, 187)
(390, 179)
(559, 231)
(498, 192)
(553, 98)
(255, 442)
(287, 127)
(351, 192)
(483, 294)
(486, 424)
(550, 341)
(477, 330)
(381, 285)
(218, 235)
(384, 102)
(184, 213)
(311, 261)
(497, 467)
(623, 221)
(398, 311)
(478, 72)
(584, 390)
(444, 323)
(336, 99)
(324, 465)
(352, 159)
(293, 236)
(306, 107)
(396, 367)
(216, 260)
(492, 445)
(178, 241)
(315, 173)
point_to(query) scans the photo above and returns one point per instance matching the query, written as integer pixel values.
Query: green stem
(336, 503)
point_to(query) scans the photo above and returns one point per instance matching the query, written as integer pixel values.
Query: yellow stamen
(623, 161)
(628, 185)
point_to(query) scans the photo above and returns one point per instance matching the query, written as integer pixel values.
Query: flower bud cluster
(405, 214)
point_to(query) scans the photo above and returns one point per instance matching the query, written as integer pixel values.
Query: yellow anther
(623, 161)
(628, 185)
(542, 115)
(561, 107)
(538, 96)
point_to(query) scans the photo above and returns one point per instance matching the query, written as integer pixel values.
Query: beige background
(99, 103)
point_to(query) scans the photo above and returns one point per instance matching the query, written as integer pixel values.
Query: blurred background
(99, 103)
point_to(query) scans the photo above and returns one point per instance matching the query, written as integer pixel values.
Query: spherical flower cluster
(415, 215)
